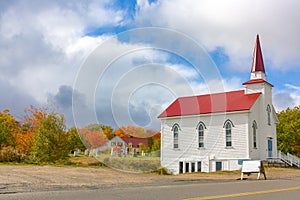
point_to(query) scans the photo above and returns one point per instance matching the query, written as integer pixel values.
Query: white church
(218, 131)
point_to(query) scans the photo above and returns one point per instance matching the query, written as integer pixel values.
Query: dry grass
(84, 161)
(34, 176)
(85, 176)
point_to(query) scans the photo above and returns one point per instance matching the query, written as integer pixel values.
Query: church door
(270, 148)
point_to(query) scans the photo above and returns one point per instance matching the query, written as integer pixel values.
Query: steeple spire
(257, 82)
(257, 60)
(258, 68)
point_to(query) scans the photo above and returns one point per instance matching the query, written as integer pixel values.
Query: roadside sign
(253, 166)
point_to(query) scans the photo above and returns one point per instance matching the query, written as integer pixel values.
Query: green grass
(129, 163)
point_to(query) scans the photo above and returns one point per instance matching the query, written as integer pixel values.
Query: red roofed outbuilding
(136, 142)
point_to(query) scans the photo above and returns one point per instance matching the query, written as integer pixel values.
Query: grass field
(128, 163)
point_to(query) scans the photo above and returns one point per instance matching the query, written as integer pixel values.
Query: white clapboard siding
(214, 140)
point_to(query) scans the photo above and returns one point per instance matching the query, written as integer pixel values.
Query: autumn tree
(156, 141)
(142, 147)
(149, 136)
(92, 139)
(8, 127)
(50, 138)
(74, 140)
(131, 131)
(28, 126)
(107, 130)
(33, 116)
(121, 133)
(24, 139)
(288, 130)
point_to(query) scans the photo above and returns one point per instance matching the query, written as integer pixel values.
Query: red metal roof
(253, 81)
(257, 60)
(211, 103)
(136, 141)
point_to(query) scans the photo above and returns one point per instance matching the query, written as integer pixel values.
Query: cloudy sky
(122, 62)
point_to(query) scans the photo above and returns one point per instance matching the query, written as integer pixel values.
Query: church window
(269, 114)
(254, 127)
(201, 136)
(228, 134)
(175, 130)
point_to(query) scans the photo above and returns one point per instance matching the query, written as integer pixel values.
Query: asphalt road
(213, 189)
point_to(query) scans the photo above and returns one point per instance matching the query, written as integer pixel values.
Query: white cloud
(187, 72)
(44, 44)
(288, 97)
(137, 86)
(294, 87)
(233, 25)
(83, 46)
(134, 88)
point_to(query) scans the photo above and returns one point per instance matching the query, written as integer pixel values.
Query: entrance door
(199, 166)
(218, 166)
(193, 167)
(180, 167)
(187, 167)
(270, 148)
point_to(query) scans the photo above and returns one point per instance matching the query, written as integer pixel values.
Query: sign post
(253, 166)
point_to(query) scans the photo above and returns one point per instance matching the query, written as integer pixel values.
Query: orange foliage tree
(107, 130)
(121, 133)
(92, 139)
(28, 126)
(131, 131)
(156, 141)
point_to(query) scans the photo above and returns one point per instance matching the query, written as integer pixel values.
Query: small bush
(163, 171)
(10, 154)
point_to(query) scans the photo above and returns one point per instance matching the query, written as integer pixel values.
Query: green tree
(8, 127)
(156, 145)
(288, 131)
(142, 147)
(74, 140)
(50, 139)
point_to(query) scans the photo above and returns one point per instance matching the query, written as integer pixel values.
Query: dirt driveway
(32, 178)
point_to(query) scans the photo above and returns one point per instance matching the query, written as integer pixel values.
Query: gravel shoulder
(14, 178)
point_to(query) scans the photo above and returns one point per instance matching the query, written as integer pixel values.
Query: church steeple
(257, 82)
(258, 68)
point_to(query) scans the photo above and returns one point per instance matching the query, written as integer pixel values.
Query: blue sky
(45, 48)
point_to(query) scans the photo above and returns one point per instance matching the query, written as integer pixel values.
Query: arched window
(254, 127)
(228, 128)
(269, 114)
(175, 130)
(201, 136)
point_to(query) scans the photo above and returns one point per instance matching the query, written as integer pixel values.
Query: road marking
(245, 193)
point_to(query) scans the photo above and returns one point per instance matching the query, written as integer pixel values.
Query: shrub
(163, 171)
(10, 154)
(50, 139)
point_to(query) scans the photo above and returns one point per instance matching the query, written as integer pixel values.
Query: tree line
(42, 136)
